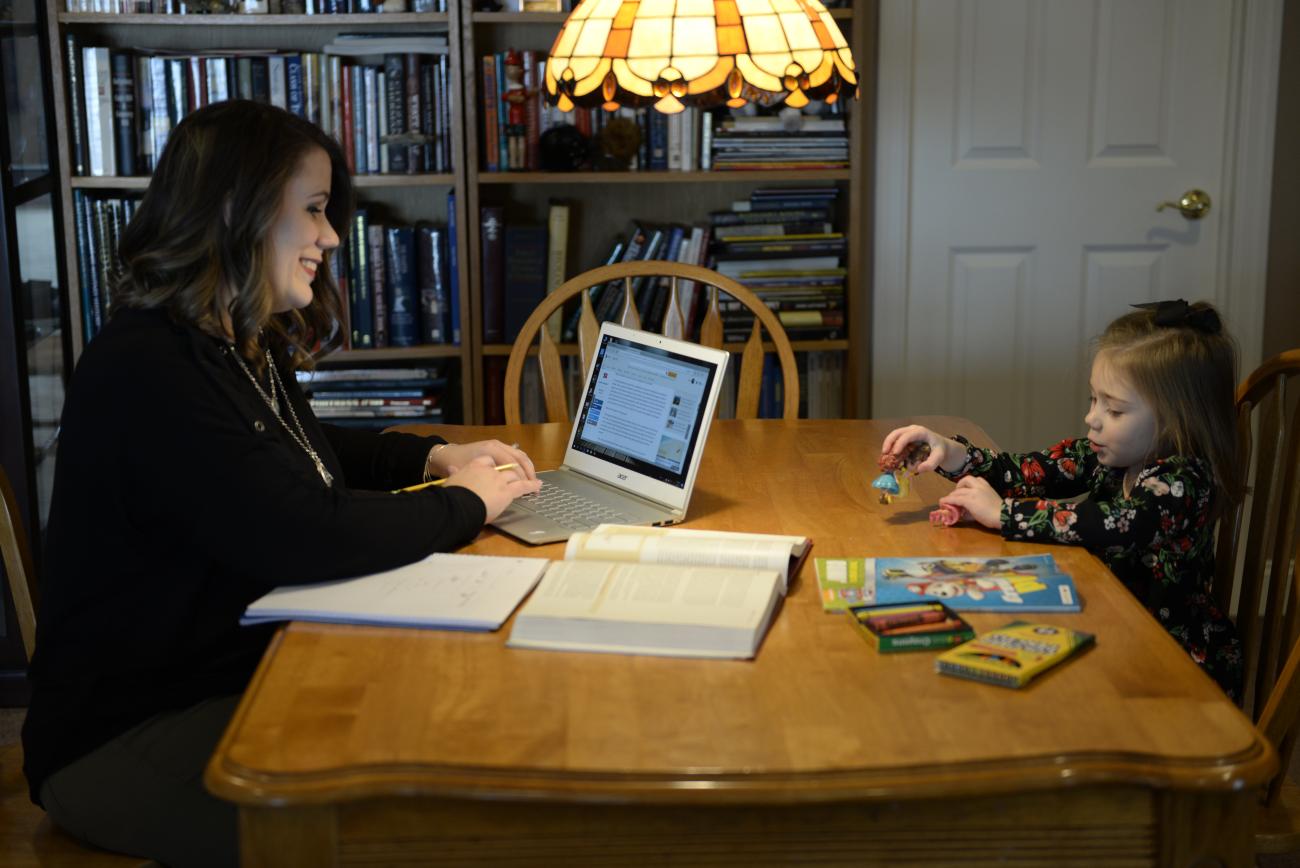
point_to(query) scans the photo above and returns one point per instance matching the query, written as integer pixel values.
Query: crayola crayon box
(909, 626)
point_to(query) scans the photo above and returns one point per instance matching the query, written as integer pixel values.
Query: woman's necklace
(272, 401)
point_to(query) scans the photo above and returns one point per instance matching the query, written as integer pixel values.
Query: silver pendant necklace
(273, 403)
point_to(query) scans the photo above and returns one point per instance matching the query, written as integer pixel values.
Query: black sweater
(178, 500)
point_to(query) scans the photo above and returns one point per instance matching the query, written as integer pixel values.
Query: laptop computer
(636, 444)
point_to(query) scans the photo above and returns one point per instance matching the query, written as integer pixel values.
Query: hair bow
(1177, 312)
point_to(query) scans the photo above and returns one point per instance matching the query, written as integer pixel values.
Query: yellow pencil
(424, 485)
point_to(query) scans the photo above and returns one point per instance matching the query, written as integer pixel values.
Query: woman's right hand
(496, 488)
(945, 453)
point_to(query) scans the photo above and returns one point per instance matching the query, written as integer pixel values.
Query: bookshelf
(602, 200)
(403, 198)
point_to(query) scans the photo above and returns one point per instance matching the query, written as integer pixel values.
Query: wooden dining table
(370, 745)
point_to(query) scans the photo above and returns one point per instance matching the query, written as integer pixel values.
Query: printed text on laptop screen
(643, 407)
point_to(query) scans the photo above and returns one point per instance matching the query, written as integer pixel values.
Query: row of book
(98, 222)
(252, 7)
(376, 397)
(780, 243)
(516, 116)
(390, 116)
(399, 282)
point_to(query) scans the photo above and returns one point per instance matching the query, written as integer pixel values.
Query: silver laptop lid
(645, 413)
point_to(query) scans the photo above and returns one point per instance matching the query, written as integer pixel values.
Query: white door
(1040, 135)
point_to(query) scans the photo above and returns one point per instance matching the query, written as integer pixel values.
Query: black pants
(142, 793)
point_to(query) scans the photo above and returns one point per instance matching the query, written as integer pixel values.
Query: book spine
(275, 76)
(431, 274)
(491, 152)
(311, 88)
(411, 79)
(428, 111)
(294, 85)
(374, 105)
(260, 79)
(378, 284)
(403, 308)
(332, 116)
(98, 149)
(525, 276)
(81, 228)
(492, 228)
(76, 104)
(706, 141)
(503, 144)
(348, 139)
(362, 312)
(453, 271)
(557, 256)
(395, 107)
(143, 120)
(243, 78)
(431, 118)
(532, 129)
(160, 125)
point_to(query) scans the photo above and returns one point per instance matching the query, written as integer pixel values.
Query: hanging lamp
(675, 53)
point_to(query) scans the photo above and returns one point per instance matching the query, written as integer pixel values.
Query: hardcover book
(1015, 583)
(1013, 655)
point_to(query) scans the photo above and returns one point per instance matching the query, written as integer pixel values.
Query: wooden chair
(1256, 554)
(751, 366)
(27, 836)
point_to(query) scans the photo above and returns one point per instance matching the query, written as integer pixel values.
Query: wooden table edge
(234, 782)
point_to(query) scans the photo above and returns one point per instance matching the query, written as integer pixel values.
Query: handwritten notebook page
(463, 592)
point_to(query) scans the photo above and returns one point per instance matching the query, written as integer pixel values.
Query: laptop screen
(643, 408)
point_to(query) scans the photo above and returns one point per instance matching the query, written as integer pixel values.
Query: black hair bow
(1177, 313)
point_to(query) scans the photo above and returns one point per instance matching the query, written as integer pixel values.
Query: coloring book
(1014, 583)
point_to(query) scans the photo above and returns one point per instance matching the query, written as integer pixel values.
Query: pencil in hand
(423, 485)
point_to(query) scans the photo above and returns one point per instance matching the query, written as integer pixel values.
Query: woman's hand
(496, 488)
(978, 499)
(445, 458)
(945, 453)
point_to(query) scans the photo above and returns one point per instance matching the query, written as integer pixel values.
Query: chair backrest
(17, 558)
(1257, 547)
(625, 277)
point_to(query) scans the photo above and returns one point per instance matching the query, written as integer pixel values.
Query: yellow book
(1014, 654)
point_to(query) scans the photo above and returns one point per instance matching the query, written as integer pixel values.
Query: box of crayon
(909, 626)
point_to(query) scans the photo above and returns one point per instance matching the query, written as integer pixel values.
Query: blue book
(293, 84)
(403, 299)
(453, 269)
(431, 282)
(1014, 583)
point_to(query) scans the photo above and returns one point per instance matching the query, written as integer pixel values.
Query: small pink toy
(946, 515)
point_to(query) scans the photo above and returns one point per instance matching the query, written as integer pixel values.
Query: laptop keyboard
(569, 510)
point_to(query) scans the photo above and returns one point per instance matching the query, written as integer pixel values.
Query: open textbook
(451, 591)
(688, 546)
(665, 591)
(1014, 583)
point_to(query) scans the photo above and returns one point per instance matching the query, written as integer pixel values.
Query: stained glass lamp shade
(674, 53)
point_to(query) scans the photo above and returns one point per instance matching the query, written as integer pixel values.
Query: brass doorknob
(1194, 204)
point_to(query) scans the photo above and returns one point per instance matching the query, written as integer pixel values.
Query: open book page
(648, 609)
(688, 547)
(467, 592)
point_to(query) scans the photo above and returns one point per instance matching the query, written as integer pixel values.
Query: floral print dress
(1158, 540)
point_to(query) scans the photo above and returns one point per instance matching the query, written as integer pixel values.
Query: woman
(192, 477)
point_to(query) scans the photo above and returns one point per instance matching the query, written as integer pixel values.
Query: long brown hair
(203, 228)
(1184, 363)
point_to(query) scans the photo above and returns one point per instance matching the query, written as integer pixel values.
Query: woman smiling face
(301, 234)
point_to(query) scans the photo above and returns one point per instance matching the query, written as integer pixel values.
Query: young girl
(192, 478)
(1158, 463)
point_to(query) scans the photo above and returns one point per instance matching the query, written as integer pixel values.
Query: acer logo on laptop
(622, 476)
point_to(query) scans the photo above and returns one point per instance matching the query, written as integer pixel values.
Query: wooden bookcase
(603, 199)
(605, 202)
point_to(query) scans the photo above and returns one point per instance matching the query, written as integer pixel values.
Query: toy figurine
(895, 481)
(517, 113)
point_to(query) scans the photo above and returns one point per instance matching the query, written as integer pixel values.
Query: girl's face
(301, 234)
(1121, 424)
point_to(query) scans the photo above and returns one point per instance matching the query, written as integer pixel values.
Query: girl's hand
(496, 488)
(978, 499)
(444, 459)
(945, 453)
